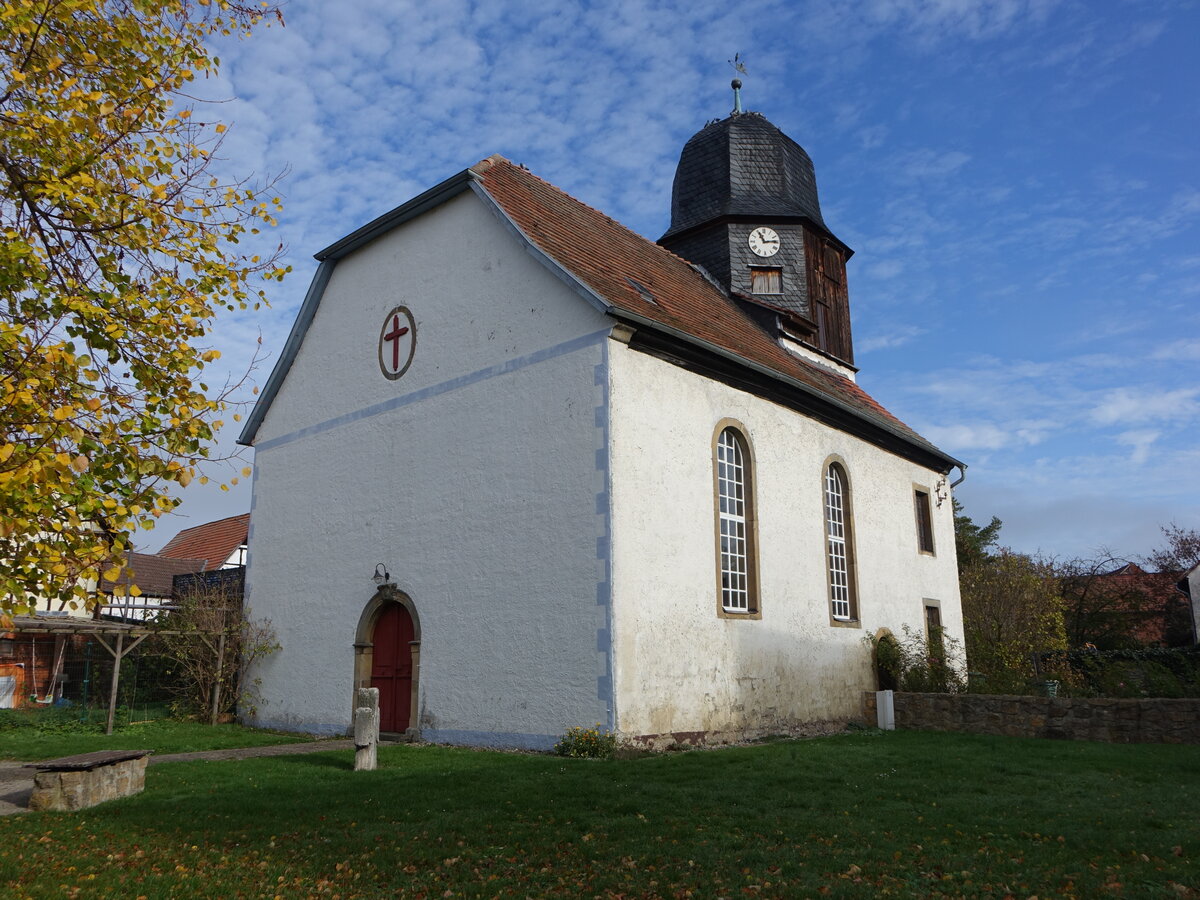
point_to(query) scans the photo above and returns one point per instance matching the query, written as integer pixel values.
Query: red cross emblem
(397, 341)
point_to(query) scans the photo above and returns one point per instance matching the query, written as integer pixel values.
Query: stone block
(82, 788)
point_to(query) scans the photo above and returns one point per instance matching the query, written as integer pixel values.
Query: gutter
(800, 386)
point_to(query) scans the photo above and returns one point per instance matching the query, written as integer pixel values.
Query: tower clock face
(764, 241)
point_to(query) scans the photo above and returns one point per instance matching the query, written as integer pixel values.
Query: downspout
(963, 475)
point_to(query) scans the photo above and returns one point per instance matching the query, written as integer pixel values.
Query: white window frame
(839, 545)
(734, 485)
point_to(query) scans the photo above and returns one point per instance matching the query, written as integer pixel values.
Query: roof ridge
(620, 225)
(603, 254)
(216, 521)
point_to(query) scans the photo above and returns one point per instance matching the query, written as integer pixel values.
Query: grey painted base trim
(499, 740)
(321, 729)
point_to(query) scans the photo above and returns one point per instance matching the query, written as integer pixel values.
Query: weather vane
(739, 67)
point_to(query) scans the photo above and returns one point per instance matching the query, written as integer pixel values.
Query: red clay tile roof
(1147, 598)
(153, 574)
(212, 541)
(604, 255)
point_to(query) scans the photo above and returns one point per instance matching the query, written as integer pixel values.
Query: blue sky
(1020, 180)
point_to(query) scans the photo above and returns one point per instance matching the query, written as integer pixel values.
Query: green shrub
(587, 743)
(49, 720)
(915, 665)
(1130, 672)
(889, 662)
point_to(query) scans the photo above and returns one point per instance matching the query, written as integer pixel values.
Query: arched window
(839, 545)
(735, 524)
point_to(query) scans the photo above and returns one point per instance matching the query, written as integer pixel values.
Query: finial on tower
(736, 84)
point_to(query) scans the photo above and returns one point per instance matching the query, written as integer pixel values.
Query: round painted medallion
(397, 342)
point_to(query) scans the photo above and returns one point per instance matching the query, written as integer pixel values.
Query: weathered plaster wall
(473, 478)
(680, 667)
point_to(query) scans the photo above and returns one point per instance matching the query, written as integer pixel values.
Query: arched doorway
(387, 656)
(392, 666)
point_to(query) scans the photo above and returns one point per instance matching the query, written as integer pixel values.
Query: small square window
(766, 281)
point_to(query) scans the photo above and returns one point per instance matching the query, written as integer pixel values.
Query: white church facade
(600, 479)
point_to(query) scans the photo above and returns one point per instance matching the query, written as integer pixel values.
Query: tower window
(831, 264)
(766, 281)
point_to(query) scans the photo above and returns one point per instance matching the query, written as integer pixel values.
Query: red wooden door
(391, 667)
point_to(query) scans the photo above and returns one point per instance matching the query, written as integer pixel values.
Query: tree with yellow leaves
(117, 249)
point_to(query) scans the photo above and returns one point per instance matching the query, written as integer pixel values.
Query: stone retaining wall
(1150, 721)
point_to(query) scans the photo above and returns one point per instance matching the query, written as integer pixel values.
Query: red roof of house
(1147, 597)
(606, 256)
(213, 542)
(153, 574)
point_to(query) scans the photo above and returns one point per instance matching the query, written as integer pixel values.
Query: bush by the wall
(1136, 672)
(587, 743)
(918, 664)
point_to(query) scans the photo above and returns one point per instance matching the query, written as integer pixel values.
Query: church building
(522, 469)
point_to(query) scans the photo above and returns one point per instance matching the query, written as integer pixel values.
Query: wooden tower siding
(828, 296)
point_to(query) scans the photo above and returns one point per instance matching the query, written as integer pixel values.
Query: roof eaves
(308, 309)
(422, 203)
(553, 265)
(435, 196)
(793, 383)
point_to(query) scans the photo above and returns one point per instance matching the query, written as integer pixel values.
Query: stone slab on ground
(16, 781)
(74, 783)
(84, 762)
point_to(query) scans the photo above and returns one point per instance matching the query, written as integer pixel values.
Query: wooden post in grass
(118, 652)
(366, 729)
(216, 694)
(116, 680)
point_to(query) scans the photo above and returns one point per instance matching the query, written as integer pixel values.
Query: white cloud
(931, 164)
(1184, 349)
(1133, 405)
(1141, 442)
(963, 436)
(885, 268)
(896, 337)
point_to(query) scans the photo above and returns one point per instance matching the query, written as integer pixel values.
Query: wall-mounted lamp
(381, 576)
(941, 492)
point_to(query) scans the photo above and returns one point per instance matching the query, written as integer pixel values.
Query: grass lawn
(860, 815)
(161, 736)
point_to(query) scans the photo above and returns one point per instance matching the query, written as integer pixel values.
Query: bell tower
(744, 206)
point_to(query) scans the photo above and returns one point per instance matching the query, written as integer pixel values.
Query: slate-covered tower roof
(742, 166)
(740, 174)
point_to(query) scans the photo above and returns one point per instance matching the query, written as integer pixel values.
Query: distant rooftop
(213, 542)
